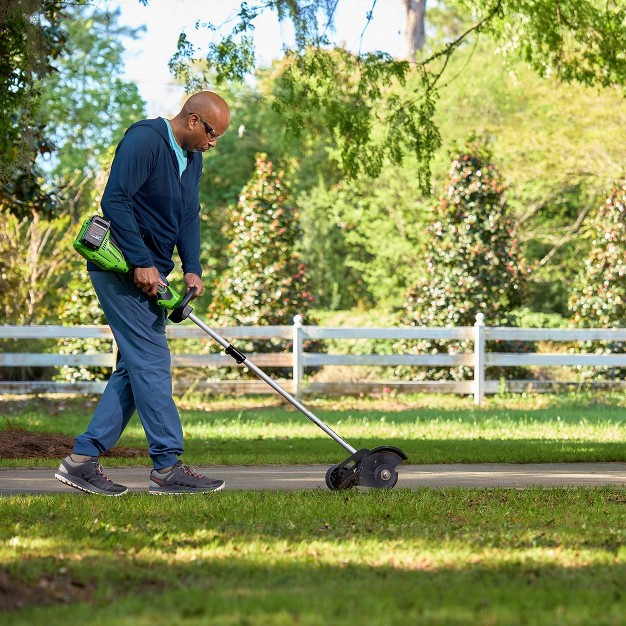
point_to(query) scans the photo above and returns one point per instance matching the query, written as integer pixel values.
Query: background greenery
(364, 235)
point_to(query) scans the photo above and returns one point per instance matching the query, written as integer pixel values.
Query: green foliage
(534, 125)
(372, 122)
(557, 142)
(86, 106)
(31, 37)
(473, 262)
(266, 282)
(577, 41)
(335, 282)
(599, 293)
(598, 298)
(363, 241)
(80, 306)
(34, 255)
(255, 127)
(581, 41)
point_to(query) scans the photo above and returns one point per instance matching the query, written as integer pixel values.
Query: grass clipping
(18, 443)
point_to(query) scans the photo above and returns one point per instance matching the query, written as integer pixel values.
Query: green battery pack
(96, 244)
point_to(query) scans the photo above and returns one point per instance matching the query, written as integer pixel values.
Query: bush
(266, 282)
(598, 297)
(473, 262)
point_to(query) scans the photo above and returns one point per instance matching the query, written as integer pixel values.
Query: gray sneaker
(88, 477)
(182, 479)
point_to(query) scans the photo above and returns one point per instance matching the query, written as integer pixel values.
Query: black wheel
(385, 477)
(378, 468)
(332, 478)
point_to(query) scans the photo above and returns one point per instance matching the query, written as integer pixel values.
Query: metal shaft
(263, 376)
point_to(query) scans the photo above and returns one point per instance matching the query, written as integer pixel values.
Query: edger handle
(181, 311)
(167, 297)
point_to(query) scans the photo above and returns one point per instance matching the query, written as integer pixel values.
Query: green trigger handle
(167, 297)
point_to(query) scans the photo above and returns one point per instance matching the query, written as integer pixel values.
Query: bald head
(212, 107)
(204, 116)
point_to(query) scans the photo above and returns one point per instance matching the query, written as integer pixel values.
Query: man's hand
(147, 279)
(193, 280)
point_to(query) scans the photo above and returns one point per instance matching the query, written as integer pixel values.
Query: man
(151, 200)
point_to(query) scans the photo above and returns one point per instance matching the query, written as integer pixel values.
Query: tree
(86, 106)
(599, 293)
(34, 256)
(598, 298)
(85, 103)
(31, 37)
(266, 282)
(473, 262)
(557, 142)
(257, 128)
(578, 41)
(415, 28)
(363, 242)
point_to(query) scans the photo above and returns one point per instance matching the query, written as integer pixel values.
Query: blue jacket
(151, 209)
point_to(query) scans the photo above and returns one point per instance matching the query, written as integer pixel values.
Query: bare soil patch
(49, 589)
(18, 443)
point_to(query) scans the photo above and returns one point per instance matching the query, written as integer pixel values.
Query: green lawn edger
(365, 468)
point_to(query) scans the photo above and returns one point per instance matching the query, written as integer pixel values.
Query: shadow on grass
(310, 558)
(233, 591)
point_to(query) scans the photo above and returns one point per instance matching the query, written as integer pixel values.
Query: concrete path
(289, 478)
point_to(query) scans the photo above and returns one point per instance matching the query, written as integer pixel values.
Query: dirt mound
(48, 589)
(17, 443)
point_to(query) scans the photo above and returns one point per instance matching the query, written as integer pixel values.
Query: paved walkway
(292, 477)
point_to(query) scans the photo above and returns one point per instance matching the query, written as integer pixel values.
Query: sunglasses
(211, 134)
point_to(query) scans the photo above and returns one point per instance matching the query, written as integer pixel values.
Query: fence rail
(298, 359)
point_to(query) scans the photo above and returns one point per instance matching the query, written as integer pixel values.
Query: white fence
(298, 359)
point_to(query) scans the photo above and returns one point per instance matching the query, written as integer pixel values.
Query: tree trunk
(415, 32)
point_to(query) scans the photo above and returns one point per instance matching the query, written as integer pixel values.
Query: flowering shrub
(266, 282)
(599, 293)
(473, 261)
(598, 298)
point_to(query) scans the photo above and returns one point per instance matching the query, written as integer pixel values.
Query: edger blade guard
(378, 468)
(367, 468)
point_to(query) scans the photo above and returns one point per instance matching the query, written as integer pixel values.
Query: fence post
(298, 368)
(479, 358)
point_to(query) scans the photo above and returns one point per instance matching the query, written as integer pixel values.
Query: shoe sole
(155, 492)
(86, 487)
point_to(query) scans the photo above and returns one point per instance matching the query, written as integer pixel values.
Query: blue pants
(142, 379)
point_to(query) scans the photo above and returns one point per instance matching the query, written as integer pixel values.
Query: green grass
(315, 558)
(429, 429)
(443, 557)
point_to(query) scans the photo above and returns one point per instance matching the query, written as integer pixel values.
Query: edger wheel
(333, 478)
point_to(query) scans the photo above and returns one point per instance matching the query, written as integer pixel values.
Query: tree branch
(450, 47)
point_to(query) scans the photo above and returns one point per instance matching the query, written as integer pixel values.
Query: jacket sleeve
(133, 162)
(188, 243)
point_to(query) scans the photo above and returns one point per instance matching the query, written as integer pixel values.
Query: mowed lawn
(430, 429)
(445, 557)
(381, 558)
